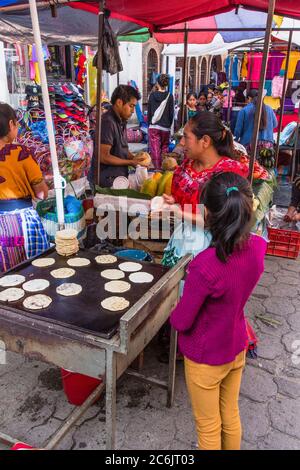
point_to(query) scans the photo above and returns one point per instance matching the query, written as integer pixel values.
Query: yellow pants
(214, 393)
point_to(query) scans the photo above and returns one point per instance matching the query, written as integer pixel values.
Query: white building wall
(4, 94)
(131, 56)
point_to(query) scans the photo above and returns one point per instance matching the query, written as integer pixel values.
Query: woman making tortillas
(21, 232)
(208, 147)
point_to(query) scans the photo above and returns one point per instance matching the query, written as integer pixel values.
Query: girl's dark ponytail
(229, 201)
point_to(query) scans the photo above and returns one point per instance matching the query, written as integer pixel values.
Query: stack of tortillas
(66, 242)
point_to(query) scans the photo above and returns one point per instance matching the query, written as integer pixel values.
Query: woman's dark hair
(202, 94)
(189, 95)
(163, 80)
(207, 123)
(7, 114)
(124, 93)
(253, 94)
(228, 198)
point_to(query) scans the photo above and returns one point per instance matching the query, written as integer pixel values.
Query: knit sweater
(210, 315)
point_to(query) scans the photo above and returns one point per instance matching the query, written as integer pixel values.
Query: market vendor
(115, 157)
(21, 231)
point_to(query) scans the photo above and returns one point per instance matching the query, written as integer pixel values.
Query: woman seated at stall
(22, 234)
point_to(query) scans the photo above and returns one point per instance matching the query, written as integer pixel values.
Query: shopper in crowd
(202, 102)
(210, 315)
(190, 110)
(115, 157)
(160, 119)
(245, 124)
(216, 104)
(22, 234)
(293, 213)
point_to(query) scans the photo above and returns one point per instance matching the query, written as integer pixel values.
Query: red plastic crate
(284, 243)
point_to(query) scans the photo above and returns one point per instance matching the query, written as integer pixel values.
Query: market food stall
(81, 336)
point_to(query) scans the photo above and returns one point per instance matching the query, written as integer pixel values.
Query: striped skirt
(22, 236)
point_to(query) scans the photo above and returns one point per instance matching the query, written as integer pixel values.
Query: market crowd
(228, 258)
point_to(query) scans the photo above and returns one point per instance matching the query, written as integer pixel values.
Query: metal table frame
(98, 357)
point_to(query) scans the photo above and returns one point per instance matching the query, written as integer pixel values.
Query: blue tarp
(244, 19)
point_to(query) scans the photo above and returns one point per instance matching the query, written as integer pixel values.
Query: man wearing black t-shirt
(115, 156)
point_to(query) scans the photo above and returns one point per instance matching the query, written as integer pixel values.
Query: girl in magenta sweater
(210, 315)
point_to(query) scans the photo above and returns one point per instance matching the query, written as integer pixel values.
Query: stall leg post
(99, 92)
(283, 94)
(229, 89)
(111, 382)
(58, 180)
(294, 162)
(184, 75)
(259, 103)
(172, 368)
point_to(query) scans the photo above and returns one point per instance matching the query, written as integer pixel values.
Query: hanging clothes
(111, 60)
(273, 102)
(277, 86)
(294, 59)
(254, 67)
(268, 87)
(244, 69)
(274, 64)
(235, 74)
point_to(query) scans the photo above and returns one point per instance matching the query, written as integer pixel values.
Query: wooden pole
(229, 89)
(99, 93)
(283, 94)
(259, 103)
(294, 162)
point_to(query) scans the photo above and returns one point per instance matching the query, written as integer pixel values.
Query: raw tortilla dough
(114, 304)
(43, 262)
(117, 287)
(141, 278)
(63, 273)
(12, 294)
(112, 274)
(68, 289)
(36, 285)
(105, 259)
(11, 280)
(78, 262)
(37, 302)
(130, 267)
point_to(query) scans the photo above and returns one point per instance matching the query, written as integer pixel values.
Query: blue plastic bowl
(140, 255)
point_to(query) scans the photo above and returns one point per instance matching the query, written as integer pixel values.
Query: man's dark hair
(124, 93)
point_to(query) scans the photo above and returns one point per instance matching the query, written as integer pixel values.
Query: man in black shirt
(115, 157)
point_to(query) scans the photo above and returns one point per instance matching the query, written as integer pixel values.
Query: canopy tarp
(71, 26)
(243, 19)
(157, 14)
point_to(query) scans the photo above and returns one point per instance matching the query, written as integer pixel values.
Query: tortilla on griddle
(105, 259)
(112, 274)
(37, 302)
(130, 267)
(117, 287)
(63, 273)
(43, 262)
(36, 285)
(12, 280)
(114, 304)
(11, 294)
(68, 289)
(77, 262)
(141, 277)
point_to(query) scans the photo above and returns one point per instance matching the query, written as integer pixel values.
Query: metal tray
(82, 312)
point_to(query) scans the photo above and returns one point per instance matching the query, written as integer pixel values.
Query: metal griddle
(82, 312)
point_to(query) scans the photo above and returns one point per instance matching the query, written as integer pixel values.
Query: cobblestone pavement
(33, 405)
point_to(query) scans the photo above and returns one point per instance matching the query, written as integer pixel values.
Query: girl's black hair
(253, 94)
(228, 198)
(7, 114)
(207, 123)
(202, 94)
(189, 95)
